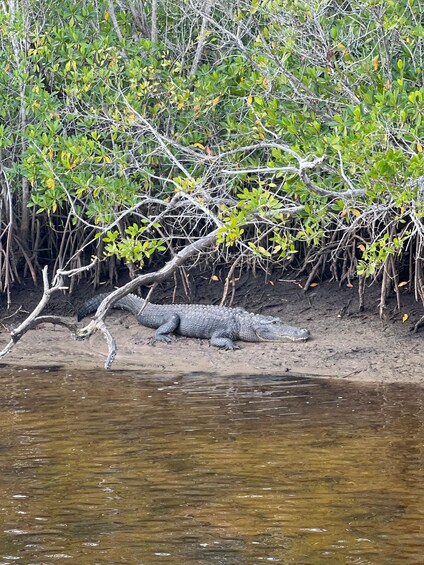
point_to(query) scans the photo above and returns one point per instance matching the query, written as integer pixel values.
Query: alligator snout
(301, 335)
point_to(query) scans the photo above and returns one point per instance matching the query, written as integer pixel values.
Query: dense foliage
(131, 128)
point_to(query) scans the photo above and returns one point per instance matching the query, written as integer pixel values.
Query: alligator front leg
(163, 331)
(223, 342)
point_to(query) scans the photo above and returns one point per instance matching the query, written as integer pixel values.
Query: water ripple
(104, 468)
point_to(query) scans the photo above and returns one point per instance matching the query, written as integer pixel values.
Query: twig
(361, 292)
(229, 280)
(418, 325)
(342, 311)
(14, 313)
(384, 290)
(111, 344)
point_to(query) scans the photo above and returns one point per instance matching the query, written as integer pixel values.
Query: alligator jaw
(295, 335)
(305, 338)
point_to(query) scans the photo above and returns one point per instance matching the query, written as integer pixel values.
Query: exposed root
(418, 325)
(230, 280)
(361, 293)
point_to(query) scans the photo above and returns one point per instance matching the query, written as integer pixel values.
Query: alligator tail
(90, 306)
(130, 303)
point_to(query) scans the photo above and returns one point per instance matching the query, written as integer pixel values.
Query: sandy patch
(357, 346)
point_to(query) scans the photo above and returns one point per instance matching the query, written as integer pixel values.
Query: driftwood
(97, 323)
(35, 318)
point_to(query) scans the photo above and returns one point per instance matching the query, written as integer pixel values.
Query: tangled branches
(295, 133)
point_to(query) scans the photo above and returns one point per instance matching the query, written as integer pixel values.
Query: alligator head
(268, 328)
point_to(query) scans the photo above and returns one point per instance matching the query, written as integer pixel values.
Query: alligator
(220, 324)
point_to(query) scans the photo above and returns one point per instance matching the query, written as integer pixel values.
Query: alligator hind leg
(223, 342)
(163, 331)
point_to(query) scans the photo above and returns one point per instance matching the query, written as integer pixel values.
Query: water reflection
(108, 468)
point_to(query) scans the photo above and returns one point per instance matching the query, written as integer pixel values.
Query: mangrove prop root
(230, 280)
(418, 324)
(361, 293)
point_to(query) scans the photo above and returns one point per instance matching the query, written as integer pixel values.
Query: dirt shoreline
(345, 344)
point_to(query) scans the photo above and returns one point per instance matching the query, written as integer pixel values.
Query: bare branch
(145, 279)
(259, 170)
(154, 28)
(324, 192)
(202, 37)
(114, 20)
(111, 344)
(34, 318)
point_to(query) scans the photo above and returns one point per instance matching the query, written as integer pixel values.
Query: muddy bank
(345, 343)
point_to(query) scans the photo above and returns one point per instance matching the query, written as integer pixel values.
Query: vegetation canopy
(131, 128)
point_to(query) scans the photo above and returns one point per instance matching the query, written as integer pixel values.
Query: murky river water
(115, 468)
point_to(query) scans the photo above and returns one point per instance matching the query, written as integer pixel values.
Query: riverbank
(345, 343)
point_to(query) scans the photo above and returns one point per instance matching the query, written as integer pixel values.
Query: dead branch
(34, 318)
(111, 344)
(146, 279)
(230, 280)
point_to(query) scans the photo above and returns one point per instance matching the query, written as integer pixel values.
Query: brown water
(115, 468)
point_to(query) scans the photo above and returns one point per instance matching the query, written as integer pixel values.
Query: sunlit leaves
(134, 246)
(312, 76)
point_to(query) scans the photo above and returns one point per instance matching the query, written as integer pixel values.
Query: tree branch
(202, 37)
(146, 279)
(34, 318)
